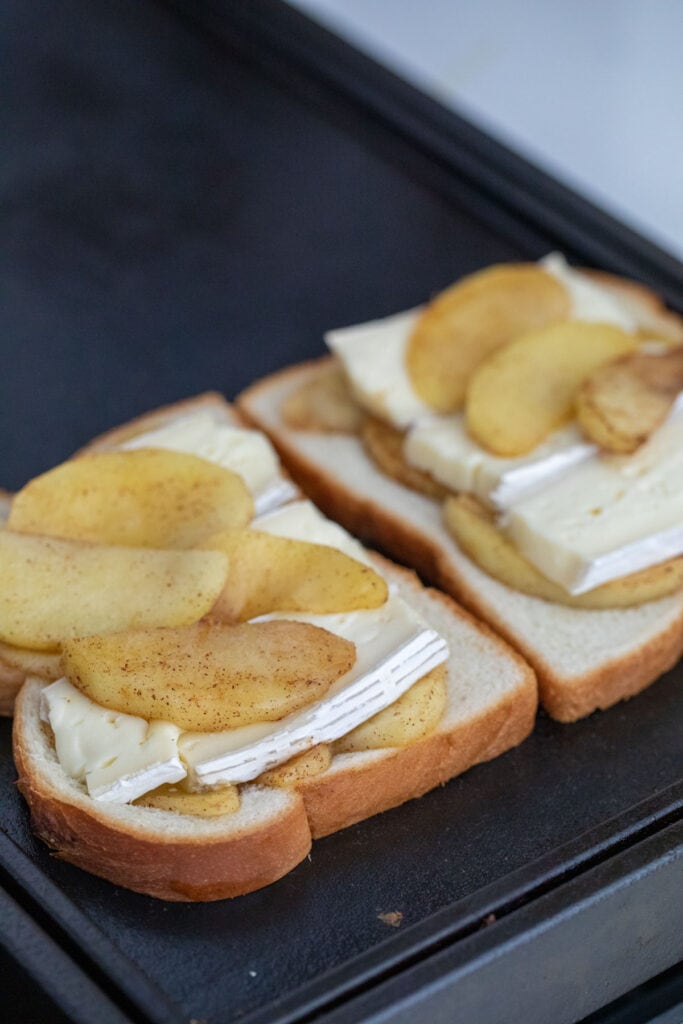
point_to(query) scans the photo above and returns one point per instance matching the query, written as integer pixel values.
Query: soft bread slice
(491, 707)
(585, 660)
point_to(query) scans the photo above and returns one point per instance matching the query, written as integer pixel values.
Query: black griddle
(191, 193)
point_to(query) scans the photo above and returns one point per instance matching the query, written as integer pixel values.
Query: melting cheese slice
(246, 452)
(609, 517)
(119, 757)
(442, 447)
(373, 357)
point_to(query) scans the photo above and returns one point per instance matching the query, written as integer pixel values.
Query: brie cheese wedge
(611, 516)
(442, 447)
(118, 757)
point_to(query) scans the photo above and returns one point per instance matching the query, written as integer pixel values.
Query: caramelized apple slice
(477, 534)
(269, 573)
(44, 664)
(471, 319)
(54, 589)
(150, 497)
(623, 403)
(413, 716)
(528, 388)
(323, 403)
(209, 677)
(384, 444)
(209, 803)
(304, 766)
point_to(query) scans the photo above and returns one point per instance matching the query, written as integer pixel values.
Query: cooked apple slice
(528, 388)
(209, 677)
(269, 573)
(149, 497)
(304, 766)
(323, 403)
(44, 664)
(209, 803)
(413, 716)
(471, 319)
(384, 444)
(54, 589)
(623, 403)
(477, 534)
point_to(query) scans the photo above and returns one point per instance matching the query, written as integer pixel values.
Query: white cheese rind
(273, 495)
(612, 516)
(118, 757)
(349, 702)
(245, 452)
(442, 447)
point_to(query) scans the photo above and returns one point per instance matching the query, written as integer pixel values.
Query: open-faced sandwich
(519, 442)
(216, 673)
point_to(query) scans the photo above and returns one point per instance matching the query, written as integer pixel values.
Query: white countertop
(590, 90)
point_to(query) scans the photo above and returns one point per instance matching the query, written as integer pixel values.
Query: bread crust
(612, 680)
(338, 799)
(353, 788)
(566, 699)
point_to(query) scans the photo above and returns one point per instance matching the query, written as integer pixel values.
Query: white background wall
(590, 89)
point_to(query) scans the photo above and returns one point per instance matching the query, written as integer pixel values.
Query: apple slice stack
(134, 573)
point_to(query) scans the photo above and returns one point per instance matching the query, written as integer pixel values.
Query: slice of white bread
(584, 659)
(491, 707)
